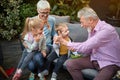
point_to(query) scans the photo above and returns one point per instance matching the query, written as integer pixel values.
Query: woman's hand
(44, 53)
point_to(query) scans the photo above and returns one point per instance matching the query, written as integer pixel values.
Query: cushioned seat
(89, 73)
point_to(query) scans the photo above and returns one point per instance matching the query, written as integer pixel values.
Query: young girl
(60, 51)
(34, 43)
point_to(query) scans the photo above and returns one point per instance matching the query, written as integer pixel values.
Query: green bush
(27, 10)
(14, 12)
(12, 15)
(9, 19)
(66, 7)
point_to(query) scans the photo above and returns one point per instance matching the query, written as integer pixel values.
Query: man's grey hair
(43, 4)
(87, 12)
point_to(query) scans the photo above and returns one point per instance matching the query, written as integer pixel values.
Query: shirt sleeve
(32, 46)
(43, 44)
(100, 38)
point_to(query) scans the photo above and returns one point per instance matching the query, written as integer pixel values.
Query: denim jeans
(49, 49)
(36, 64)
(51, 57)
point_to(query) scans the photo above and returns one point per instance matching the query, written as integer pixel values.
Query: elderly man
(102, 47)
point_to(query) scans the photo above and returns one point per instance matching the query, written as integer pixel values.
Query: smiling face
(65, 31)
(85, 23)
(43, 13)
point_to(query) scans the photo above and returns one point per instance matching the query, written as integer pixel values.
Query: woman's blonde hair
(60, 26)
(31, 23)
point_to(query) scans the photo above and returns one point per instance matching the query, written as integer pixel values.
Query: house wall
(101, 7)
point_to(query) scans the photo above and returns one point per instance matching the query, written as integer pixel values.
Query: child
(60, 51)
(34, 43)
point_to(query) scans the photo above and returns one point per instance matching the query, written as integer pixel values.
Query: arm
(98, 40)
(29, 42)
(51, 20)
(32, 46)
(43, 47)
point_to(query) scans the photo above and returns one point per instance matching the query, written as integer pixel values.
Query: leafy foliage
(9, 19)
(66, 7)
(27, 10)
(12, 16)
(14, 12)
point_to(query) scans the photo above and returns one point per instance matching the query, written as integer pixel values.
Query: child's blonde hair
(31, 23)
(60, 26)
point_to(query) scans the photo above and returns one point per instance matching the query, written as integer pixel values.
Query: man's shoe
(32, 76)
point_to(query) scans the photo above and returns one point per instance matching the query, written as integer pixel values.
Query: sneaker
(32, 76)
(45, 72)
(53, 79)
(41, 77)
(54, 76)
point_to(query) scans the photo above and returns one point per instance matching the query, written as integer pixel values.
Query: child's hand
(25, 45)
(38, 37)
(17, 75)
(56, 39)
(44, 54)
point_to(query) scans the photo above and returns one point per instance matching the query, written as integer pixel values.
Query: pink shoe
(16, 76)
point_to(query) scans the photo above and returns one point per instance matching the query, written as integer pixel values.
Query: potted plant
(114, 13)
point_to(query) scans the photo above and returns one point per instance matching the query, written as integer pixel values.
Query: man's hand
(72, 49)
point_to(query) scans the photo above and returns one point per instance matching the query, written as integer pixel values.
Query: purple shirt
(103, 42)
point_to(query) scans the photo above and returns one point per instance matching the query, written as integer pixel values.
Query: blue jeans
(36, 64)
(49, 49)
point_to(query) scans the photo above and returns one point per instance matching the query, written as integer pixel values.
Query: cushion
(118, 30)
(61, 19)
(77, 33)
(89, 73)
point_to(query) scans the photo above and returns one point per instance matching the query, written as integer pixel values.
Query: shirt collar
(97, 27)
